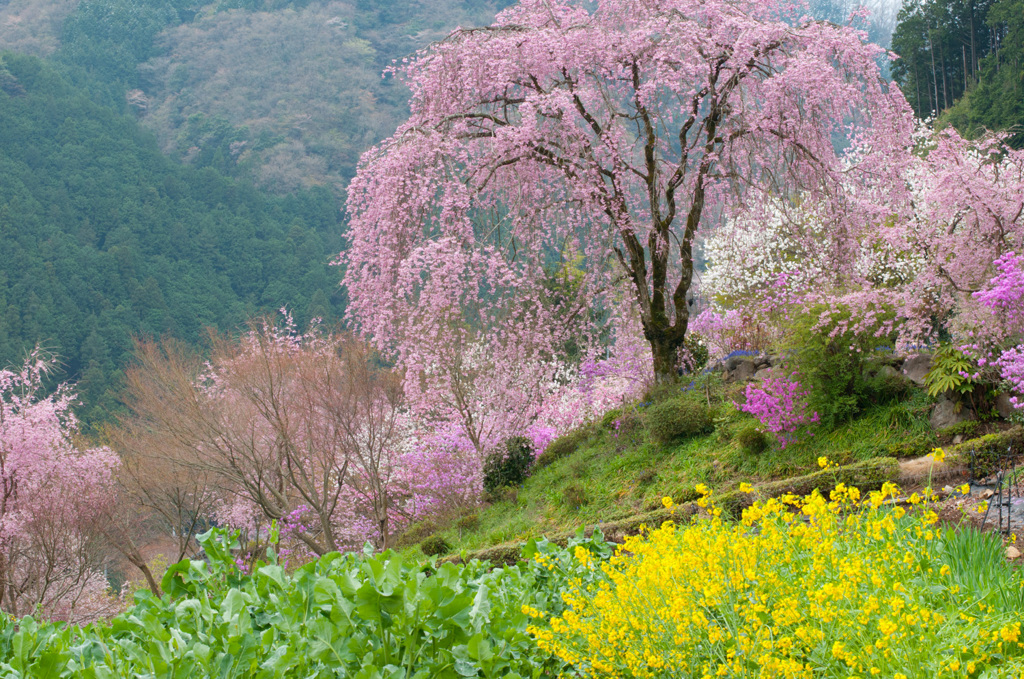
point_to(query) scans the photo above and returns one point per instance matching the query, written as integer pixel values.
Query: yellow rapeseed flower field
(839, 587)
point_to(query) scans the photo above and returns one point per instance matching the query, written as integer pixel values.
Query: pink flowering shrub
(1005, 291)
(442, 473)
(757, 324)
(780, 405)
(996, 342)
(53, 495)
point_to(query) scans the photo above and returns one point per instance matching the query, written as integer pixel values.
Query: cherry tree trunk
(665, 350)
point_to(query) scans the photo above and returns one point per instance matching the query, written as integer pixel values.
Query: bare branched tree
(298, 428)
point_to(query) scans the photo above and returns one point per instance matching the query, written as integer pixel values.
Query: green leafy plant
(358, 615)
(950, 372)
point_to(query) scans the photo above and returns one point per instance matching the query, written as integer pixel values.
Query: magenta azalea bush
(780, 406)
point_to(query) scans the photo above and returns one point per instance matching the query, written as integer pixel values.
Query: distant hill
(287, 93)
(102, 237)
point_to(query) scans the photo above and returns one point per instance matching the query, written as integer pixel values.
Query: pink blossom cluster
(781, 407)
(443, 473)
(1005, 291)
(998, 342)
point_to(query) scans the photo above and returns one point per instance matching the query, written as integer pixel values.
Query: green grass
(621, 475)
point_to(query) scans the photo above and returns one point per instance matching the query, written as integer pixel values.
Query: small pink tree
(52, 494)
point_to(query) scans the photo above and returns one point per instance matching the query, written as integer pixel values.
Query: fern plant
(951, 371)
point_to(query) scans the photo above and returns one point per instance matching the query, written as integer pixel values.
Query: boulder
(948, 412)
(887, 372)
(743, 372)
(732, 362)
(1004, 407)
(763, 374)
(917, 367)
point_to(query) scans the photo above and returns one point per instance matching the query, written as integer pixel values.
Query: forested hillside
(102, 237)
(286, 93)
(142, 150)
(963, 59)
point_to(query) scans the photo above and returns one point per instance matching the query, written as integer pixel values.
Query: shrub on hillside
(628, 422)
(886, 387)
(610, 419)
(915, 446)
(509, 465)
(780, 405)
(752, 440)
(677, 418)
(435, 545)
(563, 446)
(829, 358)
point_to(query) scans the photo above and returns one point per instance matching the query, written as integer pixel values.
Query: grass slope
(614, 474)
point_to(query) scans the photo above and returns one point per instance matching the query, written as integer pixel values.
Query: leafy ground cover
(800, 587)
(357, 615)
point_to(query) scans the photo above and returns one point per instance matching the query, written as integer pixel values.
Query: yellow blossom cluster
(844, 587)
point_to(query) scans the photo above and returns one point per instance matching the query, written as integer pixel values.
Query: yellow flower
(965, 489)
(938, 454)
(982, 506)
(746, 488)
(702, 489)
(667, 501)
(822, 461)
(786, 589)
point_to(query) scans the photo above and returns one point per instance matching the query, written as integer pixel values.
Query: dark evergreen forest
(963, 60)
(103, 238)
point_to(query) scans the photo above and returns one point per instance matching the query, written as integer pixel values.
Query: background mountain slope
(103, 237)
